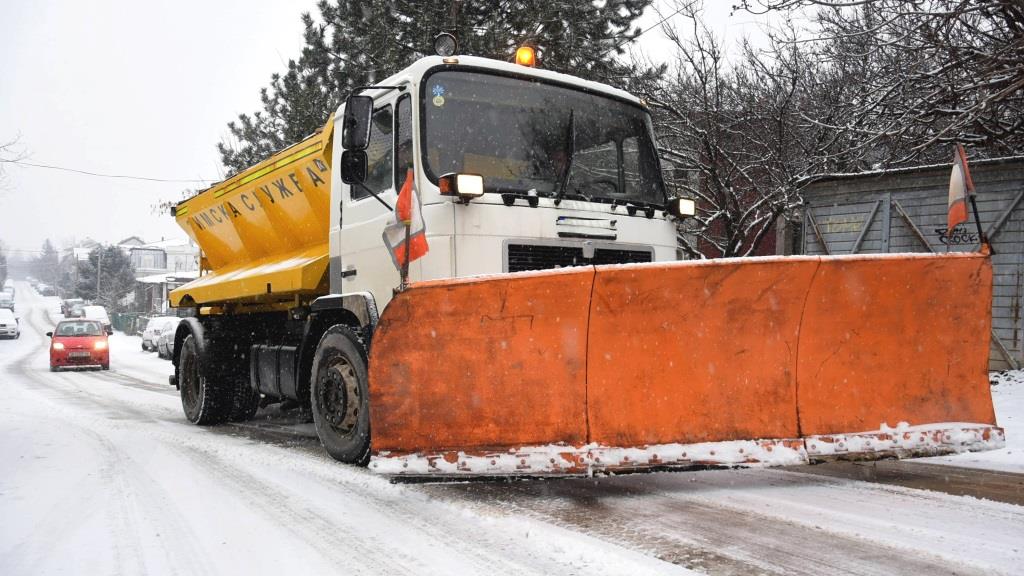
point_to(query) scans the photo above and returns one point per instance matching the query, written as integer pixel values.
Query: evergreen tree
(354, 43)
(116, 276)
(44, 267)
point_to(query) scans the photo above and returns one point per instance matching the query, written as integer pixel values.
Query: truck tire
(246, 401)
(340, 396)
(205, 401)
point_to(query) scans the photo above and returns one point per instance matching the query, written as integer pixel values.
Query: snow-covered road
(101, 474)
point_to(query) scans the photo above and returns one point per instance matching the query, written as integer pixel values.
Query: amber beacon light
(525, 56)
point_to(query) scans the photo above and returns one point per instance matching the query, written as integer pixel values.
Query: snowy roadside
(127, 357)
(1008, 398)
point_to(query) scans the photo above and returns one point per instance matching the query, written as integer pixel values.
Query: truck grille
(533, 257)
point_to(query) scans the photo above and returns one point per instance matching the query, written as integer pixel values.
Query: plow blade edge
(686, 364)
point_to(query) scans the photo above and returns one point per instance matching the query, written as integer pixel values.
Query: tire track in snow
(137, 503)
(736, 524)
(454, 537)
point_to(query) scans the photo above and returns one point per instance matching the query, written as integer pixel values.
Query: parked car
(165, 343)
(78, 342)
(98, 313)
(6, 301)
(154, 328)
(68, 304)
(9, 325)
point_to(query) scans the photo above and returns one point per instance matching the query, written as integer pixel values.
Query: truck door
(365, 263)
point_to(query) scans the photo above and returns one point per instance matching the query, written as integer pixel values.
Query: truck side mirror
(353, 166)
(355, 125)
(681, 207)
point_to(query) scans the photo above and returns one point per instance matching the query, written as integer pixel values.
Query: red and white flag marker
(961, 189)
(960, 186)
(406, 234)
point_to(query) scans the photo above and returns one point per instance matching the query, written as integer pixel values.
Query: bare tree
(10, 152)
(733, 132)
(921, 73)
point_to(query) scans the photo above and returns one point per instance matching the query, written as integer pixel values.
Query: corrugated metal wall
(905, 211)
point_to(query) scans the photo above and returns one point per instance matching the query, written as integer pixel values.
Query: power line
(100, 175)
(642, 32)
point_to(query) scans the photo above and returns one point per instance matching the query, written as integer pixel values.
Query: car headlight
(58, 346)
(100, 345)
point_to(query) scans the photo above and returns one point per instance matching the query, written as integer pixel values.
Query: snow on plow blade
(730, 362)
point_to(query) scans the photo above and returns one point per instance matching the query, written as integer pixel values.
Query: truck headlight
(465, 186)
(681, 207)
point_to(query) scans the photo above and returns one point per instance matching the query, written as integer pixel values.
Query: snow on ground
(1008, 399)
(127, 357)
(103, 477)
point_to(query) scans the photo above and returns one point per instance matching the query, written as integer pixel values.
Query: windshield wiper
(568, 161)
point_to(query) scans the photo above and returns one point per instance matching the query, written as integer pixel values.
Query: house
(150, 296)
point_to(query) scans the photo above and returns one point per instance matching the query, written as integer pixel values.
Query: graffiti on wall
(960, 235)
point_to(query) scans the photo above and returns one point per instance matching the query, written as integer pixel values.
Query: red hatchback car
(78, 343)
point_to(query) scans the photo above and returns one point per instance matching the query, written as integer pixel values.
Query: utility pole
(99, 269)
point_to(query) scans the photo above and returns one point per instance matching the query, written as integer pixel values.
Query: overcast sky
(144, 89)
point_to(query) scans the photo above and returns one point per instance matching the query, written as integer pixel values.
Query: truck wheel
(204, 401)
(339, 396)
(245, 403)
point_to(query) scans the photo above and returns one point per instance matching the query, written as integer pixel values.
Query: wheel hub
(339, 396)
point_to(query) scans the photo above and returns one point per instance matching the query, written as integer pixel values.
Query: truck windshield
(523, 134)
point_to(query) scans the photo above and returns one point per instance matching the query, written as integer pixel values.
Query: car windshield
(523, 134)
(6, 315)
(79, 328)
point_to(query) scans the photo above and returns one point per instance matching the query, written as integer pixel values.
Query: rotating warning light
(525, 56)
(445, 44)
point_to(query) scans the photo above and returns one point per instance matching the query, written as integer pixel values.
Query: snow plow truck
(552, 327)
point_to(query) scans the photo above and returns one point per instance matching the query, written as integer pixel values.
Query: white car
(9, 327)
(165, 343)
(98, 313)
(154, 328)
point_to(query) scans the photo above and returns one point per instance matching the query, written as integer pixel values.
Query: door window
(403, 139)
(378, 155)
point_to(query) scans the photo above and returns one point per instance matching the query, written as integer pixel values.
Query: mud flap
(730, 362)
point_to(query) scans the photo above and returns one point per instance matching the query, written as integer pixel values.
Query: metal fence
(905, 211)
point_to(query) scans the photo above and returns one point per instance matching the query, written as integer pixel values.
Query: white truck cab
(569, 168)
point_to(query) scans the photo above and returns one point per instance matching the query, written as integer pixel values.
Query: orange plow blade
(686, 364)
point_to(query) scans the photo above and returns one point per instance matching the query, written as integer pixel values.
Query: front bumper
(67, 360)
